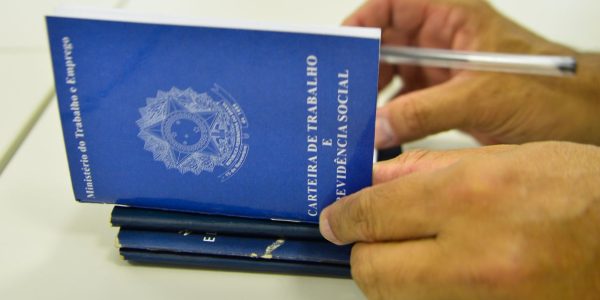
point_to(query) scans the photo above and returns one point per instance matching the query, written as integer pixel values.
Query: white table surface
(54, 248)
(25, 67)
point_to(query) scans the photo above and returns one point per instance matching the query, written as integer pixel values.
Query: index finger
(406, 15)
(410, 207)
(422, 23)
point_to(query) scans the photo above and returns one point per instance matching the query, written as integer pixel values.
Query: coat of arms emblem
(195, 132)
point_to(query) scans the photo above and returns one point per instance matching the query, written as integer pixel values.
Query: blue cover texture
(251, 123)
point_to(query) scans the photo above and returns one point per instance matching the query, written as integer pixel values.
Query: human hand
(497, 222)
(493, 107)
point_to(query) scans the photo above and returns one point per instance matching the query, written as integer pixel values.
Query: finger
(413, 79)
(407, 208)
(444, 24)
(391, 36)
(397, 270)
(373, 13)
(426, 23)
(406, 16)
(440, 26)
(416, 78)
(418, 114)
(431, 24)
(376, 14)
(411, 162)
(426, 161)
(386, 74)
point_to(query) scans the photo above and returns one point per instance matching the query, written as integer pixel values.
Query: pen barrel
(480, 61)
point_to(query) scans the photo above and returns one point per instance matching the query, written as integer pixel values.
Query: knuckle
(413, 156)
(363, 270)
(483, 181)
(500, 271)
(492, 182)
(362, 214)
(414, 115)
(470, 7)
(381, 5)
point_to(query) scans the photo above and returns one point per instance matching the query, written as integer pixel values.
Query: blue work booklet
(231, 263)
(259, 248)
(161, 220)
(226, 243)
(242, 120)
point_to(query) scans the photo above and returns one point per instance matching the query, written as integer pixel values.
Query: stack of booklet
(151, 236)
(219, 143)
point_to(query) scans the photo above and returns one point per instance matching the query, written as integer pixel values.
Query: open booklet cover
(233, 119)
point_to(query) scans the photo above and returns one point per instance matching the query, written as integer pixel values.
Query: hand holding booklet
(241, 120)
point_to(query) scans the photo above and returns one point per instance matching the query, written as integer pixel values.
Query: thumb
(424, 112)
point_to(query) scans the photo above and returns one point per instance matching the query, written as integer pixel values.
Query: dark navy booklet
(157, 220)
(242, 120)
(174, 238)
(233, 263)
(260, 248)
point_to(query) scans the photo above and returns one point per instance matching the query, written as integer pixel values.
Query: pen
(480, 61)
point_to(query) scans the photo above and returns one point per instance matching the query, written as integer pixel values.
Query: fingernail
(384, 135)
(326, 231)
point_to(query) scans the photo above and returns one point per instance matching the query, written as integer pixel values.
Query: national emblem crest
(195, 132)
